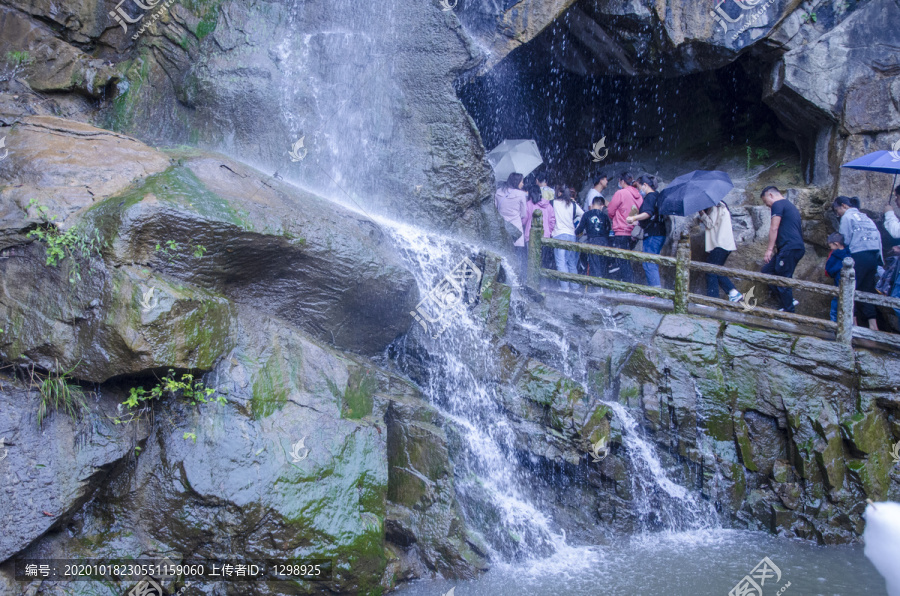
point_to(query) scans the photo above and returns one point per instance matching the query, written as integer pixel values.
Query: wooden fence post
(682, 274)
(533, 269)
(845, 303)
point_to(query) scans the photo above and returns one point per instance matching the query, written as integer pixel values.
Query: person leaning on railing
(861, 236)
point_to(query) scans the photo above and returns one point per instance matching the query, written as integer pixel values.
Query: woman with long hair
(538, 202)
(510, 202)
(626, 200)
(566, 211)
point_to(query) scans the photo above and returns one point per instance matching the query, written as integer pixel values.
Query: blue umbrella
(694, 192)
(887, 162)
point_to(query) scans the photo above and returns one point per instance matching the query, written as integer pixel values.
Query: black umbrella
(694, 192)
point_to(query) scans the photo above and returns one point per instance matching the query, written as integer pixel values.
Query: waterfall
(657, 497)
(458, 371)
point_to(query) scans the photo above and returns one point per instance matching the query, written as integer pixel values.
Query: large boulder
(314, 454)
(840, 98)
(143, 223)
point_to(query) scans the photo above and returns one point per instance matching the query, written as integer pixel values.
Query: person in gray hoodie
(861, 236)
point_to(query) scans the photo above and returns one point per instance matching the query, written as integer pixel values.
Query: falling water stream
(529, 552)
(685, 551)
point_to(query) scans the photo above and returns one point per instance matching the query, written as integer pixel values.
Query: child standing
(834, 264)
(595, 223)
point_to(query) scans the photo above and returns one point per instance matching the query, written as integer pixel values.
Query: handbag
(637, 232)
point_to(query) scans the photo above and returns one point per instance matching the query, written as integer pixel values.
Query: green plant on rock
(58, 393)
(199, 251)
(759, 154)
(809, 17)
(191, 436)
(72, 243)
(15, 64)
(167, 249)
(186, 387)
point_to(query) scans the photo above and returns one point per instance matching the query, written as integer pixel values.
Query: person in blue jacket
(834, 264)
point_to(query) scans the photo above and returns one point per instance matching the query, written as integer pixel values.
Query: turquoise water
(696, 563)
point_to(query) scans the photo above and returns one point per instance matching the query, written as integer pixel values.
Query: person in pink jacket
(626, 200)
(538, 202)
(510, 201)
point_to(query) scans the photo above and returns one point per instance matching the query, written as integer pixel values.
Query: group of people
(632, 214)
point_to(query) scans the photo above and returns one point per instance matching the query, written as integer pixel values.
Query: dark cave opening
(654, 120)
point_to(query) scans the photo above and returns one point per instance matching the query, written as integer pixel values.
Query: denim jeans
(652, 245)
(717, 256)
(566, 261)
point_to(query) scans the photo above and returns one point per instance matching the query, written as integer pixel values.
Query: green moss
(208, 13)
(178, 186)
(742, 437)
(269, 391)
(357, 398)
(125, 105)
(628, 394)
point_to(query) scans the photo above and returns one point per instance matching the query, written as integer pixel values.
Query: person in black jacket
(596, 225)
(653, 224)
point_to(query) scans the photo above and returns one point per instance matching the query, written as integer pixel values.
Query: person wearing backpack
(652, 226)
(595, 225)
(864, 242)
(566, 211)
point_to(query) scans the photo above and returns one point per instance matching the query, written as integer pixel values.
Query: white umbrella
(510, 156)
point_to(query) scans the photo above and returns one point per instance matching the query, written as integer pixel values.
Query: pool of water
(698, 563)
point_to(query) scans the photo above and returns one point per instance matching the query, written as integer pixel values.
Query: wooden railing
(682, 298)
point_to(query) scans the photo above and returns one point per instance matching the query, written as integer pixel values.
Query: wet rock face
(784, 434)
(48, 470)
(344, 80)
(200, 264)
(208, 221)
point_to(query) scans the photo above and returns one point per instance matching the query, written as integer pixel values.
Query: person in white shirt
(600, 183)
(546, 192)
(566, 211)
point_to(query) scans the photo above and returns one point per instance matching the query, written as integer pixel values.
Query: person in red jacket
(627, 201)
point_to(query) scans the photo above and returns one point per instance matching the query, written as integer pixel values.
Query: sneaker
(796, 304)
(736, 297)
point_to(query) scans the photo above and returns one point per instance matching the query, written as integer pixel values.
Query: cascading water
(459, 371)
(658, 498)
